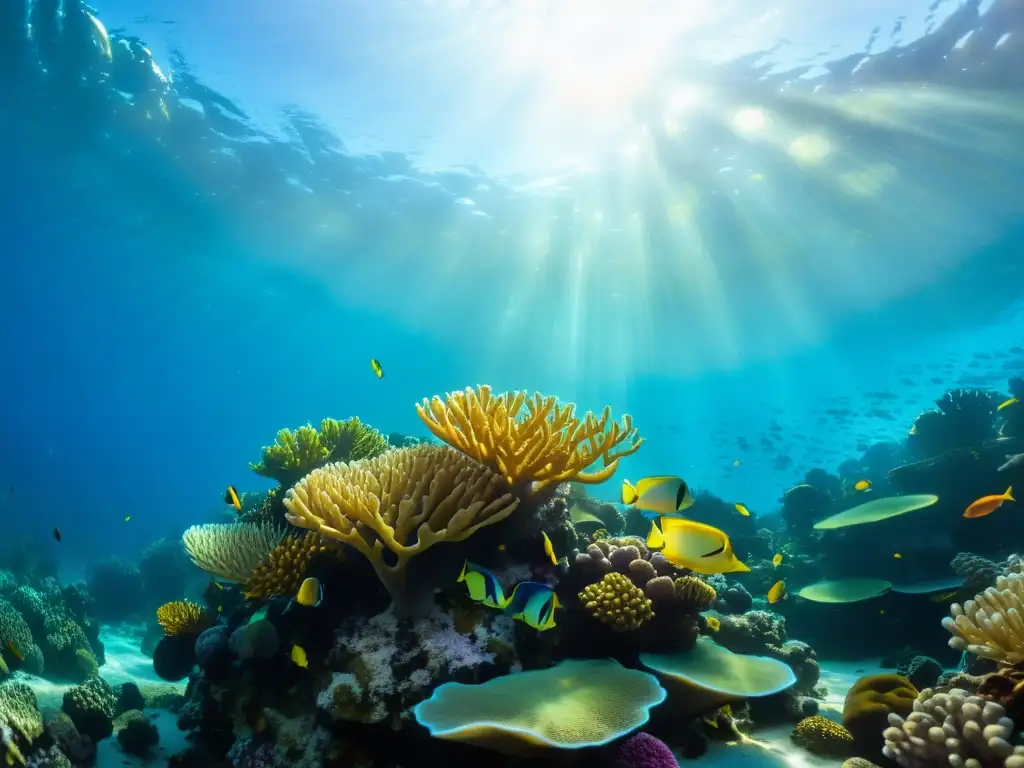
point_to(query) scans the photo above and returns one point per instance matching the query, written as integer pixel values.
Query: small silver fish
(1016, 461)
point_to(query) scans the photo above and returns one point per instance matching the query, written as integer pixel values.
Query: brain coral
(870, 702)
(572, 705)
(617, 602)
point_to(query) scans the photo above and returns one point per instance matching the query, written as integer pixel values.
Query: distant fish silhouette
(1016, 461)
(56, 533)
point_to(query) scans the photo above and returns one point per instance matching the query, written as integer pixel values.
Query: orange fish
(986, 505)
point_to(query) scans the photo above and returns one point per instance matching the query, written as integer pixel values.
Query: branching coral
(182, 617)
(298, 453)
(284, 568)
(231, 550)
(397, 505)
(617, 602)
(992, 624)
(952, 728)
(545, 445)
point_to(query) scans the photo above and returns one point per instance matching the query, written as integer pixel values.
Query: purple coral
(641, 750)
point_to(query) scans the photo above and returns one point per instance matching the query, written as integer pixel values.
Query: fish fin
(462, 576)
(655, 539)
(1009, 494)
(629, 494)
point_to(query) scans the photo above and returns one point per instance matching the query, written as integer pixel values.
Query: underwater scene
(401, 383)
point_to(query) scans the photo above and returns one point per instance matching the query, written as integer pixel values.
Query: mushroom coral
(545, 445)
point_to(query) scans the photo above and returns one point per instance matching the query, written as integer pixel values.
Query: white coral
(952, 729)
(992, 624)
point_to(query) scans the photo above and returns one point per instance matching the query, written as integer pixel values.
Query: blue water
(783, 211)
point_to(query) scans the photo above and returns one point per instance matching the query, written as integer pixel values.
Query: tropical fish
(742, 509)
(693, 545)
(777, 560)
(897, 555)
(943, 596)
(310, 593)
(548, 549)
(231, 497)
(299, 656)
(483, 586)
(376, 368)
(56, 533)
(862, 485)
(127, 518)
(660, 495)
(986, 505)
(736, 462)
(1013, 461)
(16, 651)
(1007, 403)
(777, 592)
(533, 603)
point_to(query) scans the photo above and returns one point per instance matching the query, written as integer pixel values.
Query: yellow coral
(695, 593)
(182, 617)
(617, 602)
(283, 570)
(821, 736)
(990, 625)
(404, 501)
(232, 550)
(547, 444)
(295, 454)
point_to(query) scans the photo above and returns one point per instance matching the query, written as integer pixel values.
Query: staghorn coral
(282, 571)
(954, 729)
(695, 593)
(617, 602)
(404, 501)
(546, 445)
(182, 617)
(296, 454)
(821, 736)
(978, 572)
(991, 625)
(231, 550)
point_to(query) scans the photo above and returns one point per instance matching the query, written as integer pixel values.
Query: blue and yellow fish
(483, 586)
(657, 496)
(549, 550)
(533, 603)
(310, 593)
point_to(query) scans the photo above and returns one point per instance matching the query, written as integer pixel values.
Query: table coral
(822, 736)
(404, 502)
(954, 729)
(617, 602)
(990, 625)
(546, 445)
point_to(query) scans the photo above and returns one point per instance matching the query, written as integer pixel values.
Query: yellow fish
(897, 555)
(862, 485)
(231, 497)
(1008, 403)
(777, 592)
(943, 597)
(533, 603)
(654, 496)
(310, 593)
(693, 545)
(127, 518)
(3, 666)
(299, 656)
(16, 651)
(548, 549)
(742, 509)
(483, 586)
(777, 560)
(713, 623)
(376, 368)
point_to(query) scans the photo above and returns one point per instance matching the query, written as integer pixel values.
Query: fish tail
(462, 576)
(629, 494)
(1009, 494)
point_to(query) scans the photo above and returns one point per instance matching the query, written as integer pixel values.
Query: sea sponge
(232, 550)
(182, 617)
(696, 593)
(617, 602)
(990, 625)
(296, 454)
(821, 736)
(572, 705)
(641, 750)
(868, 705)
(91, 707)
(545, 446)
(282, 571)
(952, 728)
(19, 716)
(404, 501)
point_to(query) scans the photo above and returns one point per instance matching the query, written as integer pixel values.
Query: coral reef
(135, 734)
(20, 722)
(402, 502)
(544, 446)
(989, 625)
(232, 551)
(91, 708)
(952, 728)
(962, 417)
(868, 705)
(921, 671)
(182, 617)
(617, 602)
(282, 571)
(642, 750)
(978, 572)
(695, 594)
(821, 736)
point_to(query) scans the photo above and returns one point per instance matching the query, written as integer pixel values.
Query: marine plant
(397, 505)
(544, 445)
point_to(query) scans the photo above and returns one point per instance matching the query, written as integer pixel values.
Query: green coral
(19, 716)
(820, 736)
(295, 454)
(14, 631)
(91, 707)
